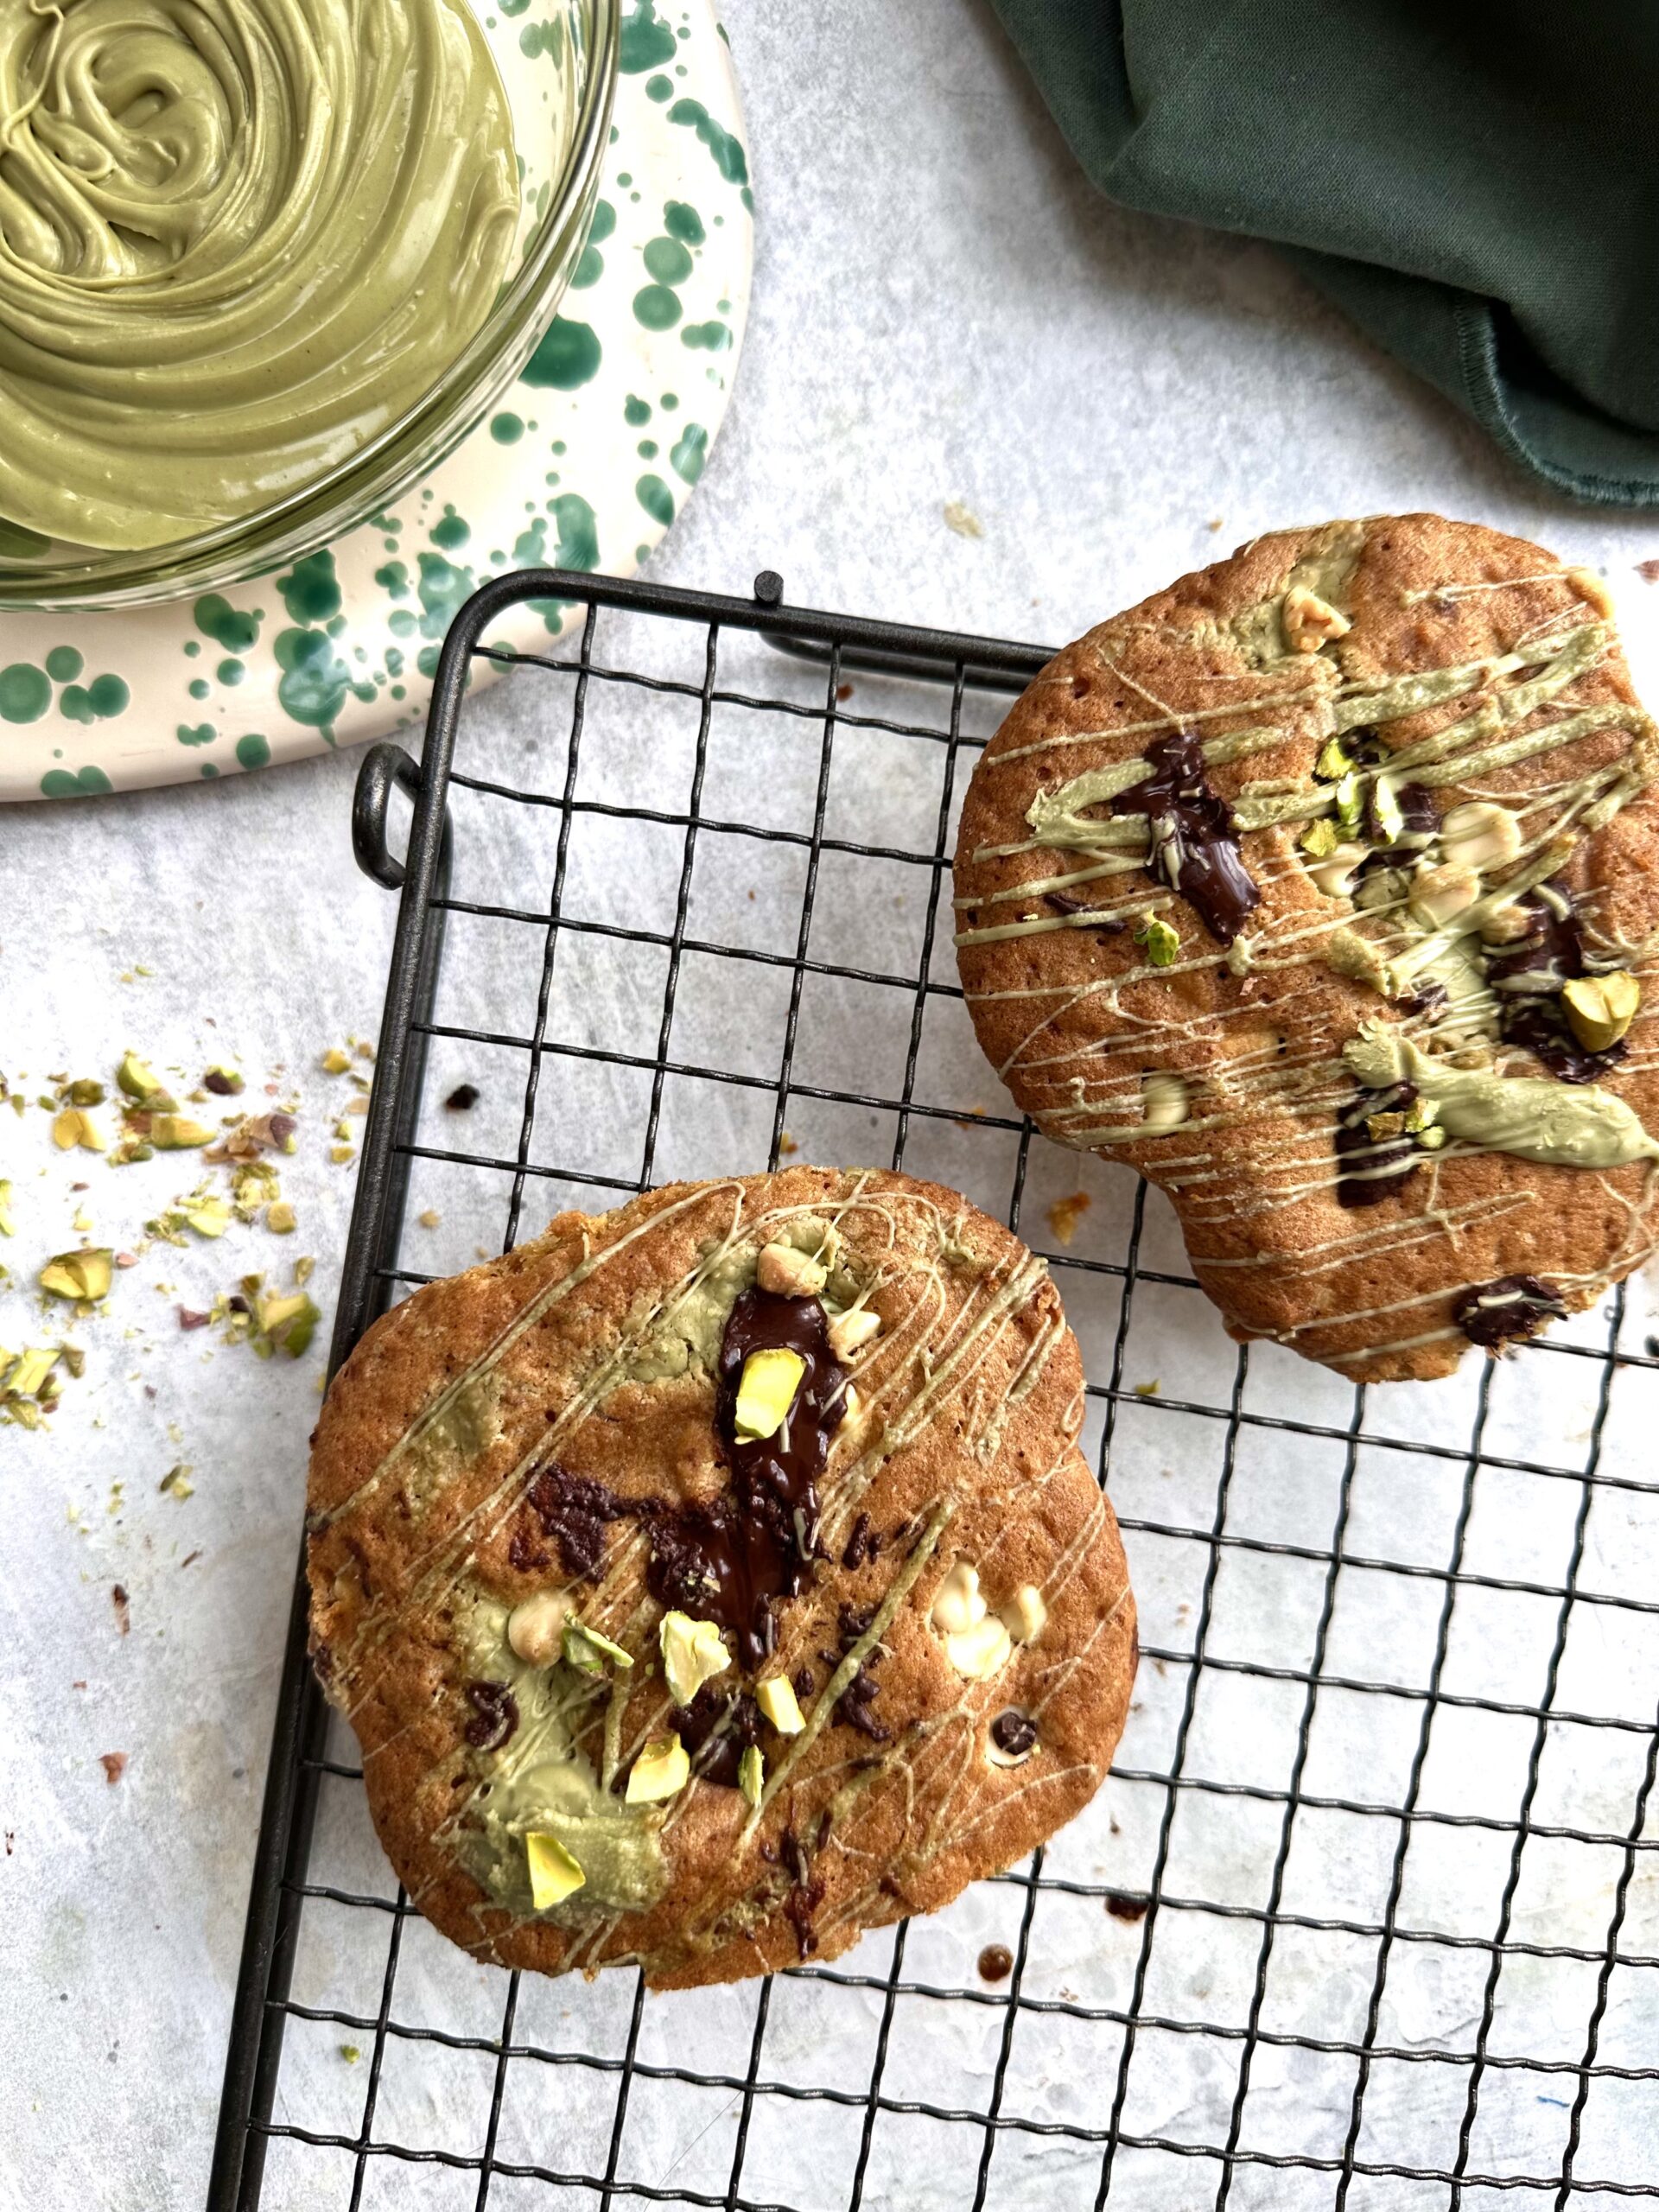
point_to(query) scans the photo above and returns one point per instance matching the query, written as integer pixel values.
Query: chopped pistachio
(1380, 1127)
(280, 1219)
(341, 1152)
(74, 1358)
(350, 2053)
(334, 1062)
(1386, 810)
(586, 1650)
(661, 1771)
(83, 1274)
(208, 1215)
(1162, 942)
(1421, 1115)
(84, 1092)
(224, 1082)
(1350, 801)
(693, 1654)
(767, 1389)
(8, 1227)
(554, 1873)
(303, 1270)
(1334, 762)
(176, 1483)
(1320, 839)
(1431, 1139)
(1601, 1008)
(73, 1127)
(142, 1083)
(177, 1133)
(29, 1371)
(751, 1773)
(777, 1699)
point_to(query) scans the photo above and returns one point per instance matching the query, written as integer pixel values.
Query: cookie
(1322, 888)
(712, 1579)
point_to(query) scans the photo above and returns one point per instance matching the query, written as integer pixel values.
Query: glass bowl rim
(253, 543)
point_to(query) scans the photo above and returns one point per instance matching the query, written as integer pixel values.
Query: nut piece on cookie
(787, 1273)
(752, 1773)
(766, 1391)
(849, 1332)
(554, 1873)
(1310, 622)
(693, 1654)
(661, 1771)
(958, 1606)
(777, 1699)
(1441, 894)
(586, 1650)
(1601, 1008)
(536, 1627)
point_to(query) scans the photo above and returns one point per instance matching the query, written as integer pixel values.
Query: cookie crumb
(114, 1764)
(462, 1099)
(996, 1962)
(123, 1609)
(1126, 1908)
(1065, 1213)
(963, 520)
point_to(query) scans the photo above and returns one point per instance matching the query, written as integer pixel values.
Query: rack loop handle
(383, 765)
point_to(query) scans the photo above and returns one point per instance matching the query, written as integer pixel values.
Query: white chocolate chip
(1164, 1098)
(789, 1274)
(958, 1606)
(1334, 874)
(1480, 834)
(850, 1332)
(536, 1628)
(979, 1652)
(1025, 1615)
(1441, 894)
(1309, 620)
(852, 1417)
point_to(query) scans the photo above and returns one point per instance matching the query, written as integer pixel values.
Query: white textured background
(943, 314)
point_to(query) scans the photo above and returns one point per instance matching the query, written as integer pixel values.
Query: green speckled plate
(583, 465)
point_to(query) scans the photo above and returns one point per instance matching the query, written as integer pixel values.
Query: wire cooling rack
(1367, 1914)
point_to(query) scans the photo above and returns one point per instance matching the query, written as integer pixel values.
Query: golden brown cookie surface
(899, 1639)
(1323, 889)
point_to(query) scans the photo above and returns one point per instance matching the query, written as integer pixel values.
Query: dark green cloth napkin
(1473, 181)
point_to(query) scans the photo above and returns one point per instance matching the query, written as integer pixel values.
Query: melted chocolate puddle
(1194, 844)
(733, 1560)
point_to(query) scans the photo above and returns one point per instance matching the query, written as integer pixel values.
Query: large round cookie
(542, 1509)
(1322, 888)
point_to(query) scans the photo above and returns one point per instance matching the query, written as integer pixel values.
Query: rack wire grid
(1366, 1914)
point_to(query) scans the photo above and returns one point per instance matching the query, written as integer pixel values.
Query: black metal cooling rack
(1491, 2102)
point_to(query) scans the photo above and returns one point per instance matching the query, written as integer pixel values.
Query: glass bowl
(559, 60)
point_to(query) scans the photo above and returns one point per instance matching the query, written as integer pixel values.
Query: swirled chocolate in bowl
(238, 239)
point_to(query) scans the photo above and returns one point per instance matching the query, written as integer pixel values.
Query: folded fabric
(1472, 181)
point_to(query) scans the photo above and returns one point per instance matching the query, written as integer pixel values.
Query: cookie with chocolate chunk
(712, 1579)
(1323, 889)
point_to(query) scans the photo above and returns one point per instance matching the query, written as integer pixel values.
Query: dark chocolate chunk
(1492, 1313)
(996, 1962)
(462, 1099)
(1013, 1732)
(495, 1715)
(716, 1728)
(1126, 1908)
(855, 1706)
(1370, 1169)
(858, 1544)
(1419, 823)
(1527, 976)
(1194, 842)
(574, 1509)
